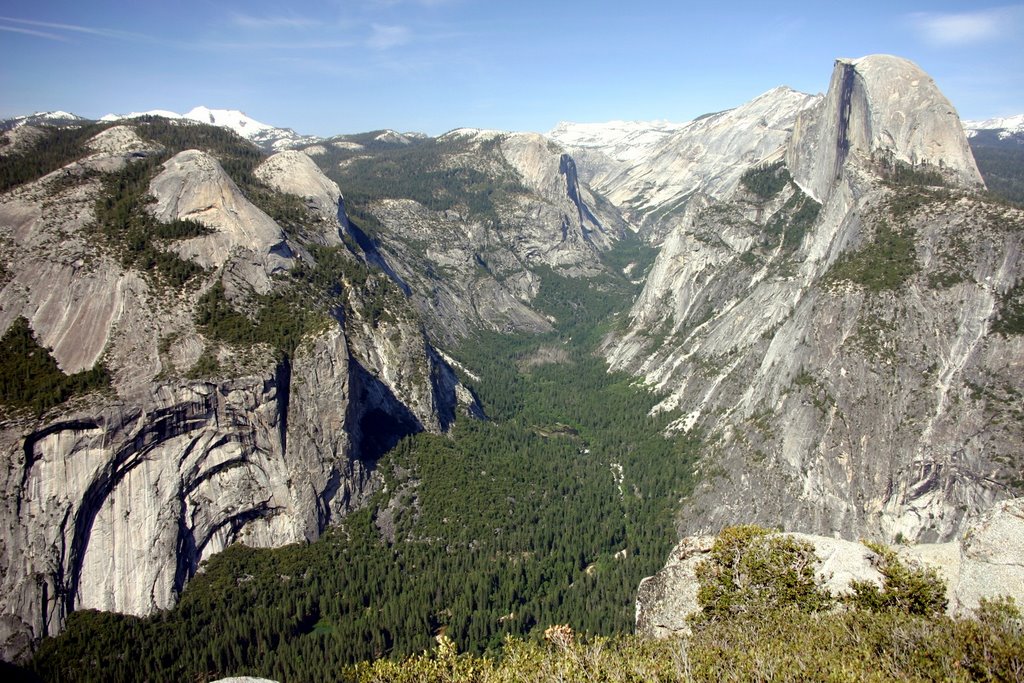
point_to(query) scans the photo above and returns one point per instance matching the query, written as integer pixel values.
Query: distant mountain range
(1006, 126)
(622, 140)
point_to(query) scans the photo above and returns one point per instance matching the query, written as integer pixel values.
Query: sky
(347, 66)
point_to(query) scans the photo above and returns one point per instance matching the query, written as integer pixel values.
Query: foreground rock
(987, 561)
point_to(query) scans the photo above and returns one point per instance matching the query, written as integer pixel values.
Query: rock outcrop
(884, 109)
(193, 186)
(297, 174)
(845, 361)
(705, 156)
(987, 561)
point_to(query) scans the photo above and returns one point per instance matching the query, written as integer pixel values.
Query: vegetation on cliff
(763, 618)
(550, 511)
(30, 378)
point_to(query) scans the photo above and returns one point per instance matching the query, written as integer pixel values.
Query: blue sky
(342, 66)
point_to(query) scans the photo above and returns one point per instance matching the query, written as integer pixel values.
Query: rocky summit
(208, 343)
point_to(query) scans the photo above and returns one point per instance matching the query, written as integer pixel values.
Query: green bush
(887, 262)
(752, 571)
(905, 587)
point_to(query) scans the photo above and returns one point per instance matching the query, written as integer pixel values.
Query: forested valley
(550, 510)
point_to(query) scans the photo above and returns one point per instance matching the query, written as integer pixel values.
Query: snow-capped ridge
(236, 120)
(269, 137)
(479, 133)
(41, 118)
(1005, 126)
(393, 137)
(140, 114)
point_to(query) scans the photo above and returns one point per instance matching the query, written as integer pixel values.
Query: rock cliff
(112, 501)
(653, 178)
(848, 361)
(883, 108)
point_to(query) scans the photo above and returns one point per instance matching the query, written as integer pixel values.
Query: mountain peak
(238, 121)
(265, 135)
(879, 104)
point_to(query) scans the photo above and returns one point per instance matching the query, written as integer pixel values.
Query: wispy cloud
(71, 28)
(33, 32)
(966, 28)
(280, 22)
(384, 36)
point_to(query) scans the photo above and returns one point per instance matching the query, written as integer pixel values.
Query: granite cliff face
(193, 186)
(113, 500)
(878, 108)
(847, 359)
(653, 176)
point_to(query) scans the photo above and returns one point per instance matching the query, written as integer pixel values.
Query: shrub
(885, 263)
(905, 587)
(753, 571)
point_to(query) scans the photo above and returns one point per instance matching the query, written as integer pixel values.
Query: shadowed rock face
(987, 561)
(832, 403)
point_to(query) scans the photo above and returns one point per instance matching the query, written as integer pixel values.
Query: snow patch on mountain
(1006, 125)
(393, 137)
(621, 140)
(244, 125)
(263, 134)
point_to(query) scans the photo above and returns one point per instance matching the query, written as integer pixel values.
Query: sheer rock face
(112, 501)
(879, 403)
(578, 229)
(75, 296)
(884, 106)
(707, 155)
(987, 561)
(193, 186)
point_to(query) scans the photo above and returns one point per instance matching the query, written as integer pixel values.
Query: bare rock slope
(653, 177)
(837, 326)
(472, 261)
